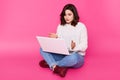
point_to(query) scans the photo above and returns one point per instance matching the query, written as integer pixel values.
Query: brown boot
(60, 71)
(43, 64)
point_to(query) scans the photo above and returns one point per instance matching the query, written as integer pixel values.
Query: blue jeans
(74, 60)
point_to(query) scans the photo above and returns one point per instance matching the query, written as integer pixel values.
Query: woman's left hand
(73, 44)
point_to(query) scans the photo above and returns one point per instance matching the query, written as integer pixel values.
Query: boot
(61, 71)
(43, 64)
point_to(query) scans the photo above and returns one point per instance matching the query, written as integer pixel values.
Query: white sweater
(78, 34)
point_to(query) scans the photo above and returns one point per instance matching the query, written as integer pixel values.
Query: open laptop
(54, 45)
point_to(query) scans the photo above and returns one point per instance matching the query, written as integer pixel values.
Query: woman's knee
(74, 57)
(80, 62)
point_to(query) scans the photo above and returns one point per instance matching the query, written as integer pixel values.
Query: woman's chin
(68, 22)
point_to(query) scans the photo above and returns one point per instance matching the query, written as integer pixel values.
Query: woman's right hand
(53, 35)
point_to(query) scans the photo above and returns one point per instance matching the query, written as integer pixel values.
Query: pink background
(22, 20)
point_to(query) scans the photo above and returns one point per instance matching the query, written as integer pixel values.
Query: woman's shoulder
(59, 27)
(81, 24)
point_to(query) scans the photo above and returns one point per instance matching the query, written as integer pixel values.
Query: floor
(24, 66)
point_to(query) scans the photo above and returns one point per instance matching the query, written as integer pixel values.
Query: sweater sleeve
(58, 32)
(83, 44)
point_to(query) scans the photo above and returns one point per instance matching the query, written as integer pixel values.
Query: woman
(75, 35)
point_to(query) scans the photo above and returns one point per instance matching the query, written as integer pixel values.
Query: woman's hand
(53, 35)
(73, 44)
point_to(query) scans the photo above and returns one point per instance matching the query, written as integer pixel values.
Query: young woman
(75, 35)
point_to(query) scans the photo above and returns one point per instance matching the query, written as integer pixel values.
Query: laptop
(54, 45)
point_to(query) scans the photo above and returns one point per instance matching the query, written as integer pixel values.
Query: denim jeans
(74, 60)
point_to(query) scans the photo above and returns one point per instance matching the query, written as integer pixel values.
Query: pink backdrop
(22, 20)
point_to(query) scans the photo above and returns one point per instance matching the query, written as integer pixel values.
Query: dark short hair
(72, 8)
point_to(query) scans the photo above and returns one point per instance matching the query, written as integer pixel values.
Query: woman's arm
(82, 46)
(57, 34)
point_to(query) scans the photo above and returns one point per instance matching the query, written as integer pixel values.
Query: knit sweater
(77, 34)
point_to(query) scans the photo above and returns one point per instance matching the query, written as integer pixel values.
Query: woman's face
(68, 16)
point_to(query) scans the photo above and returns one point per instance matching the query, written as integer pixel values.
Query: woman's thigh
(58, 57)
